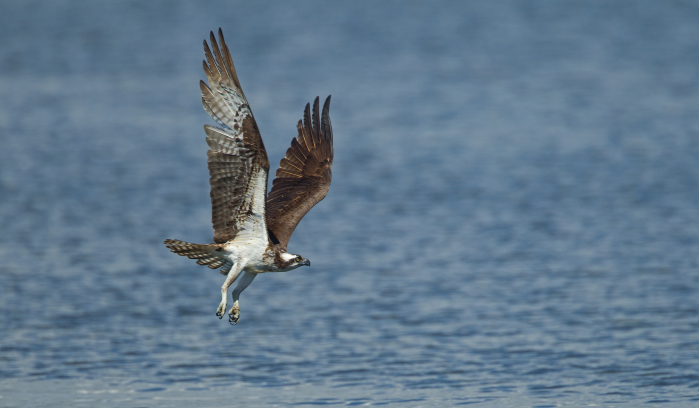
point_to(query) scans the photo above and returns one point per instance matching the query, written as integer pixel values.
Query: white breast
(250, 243)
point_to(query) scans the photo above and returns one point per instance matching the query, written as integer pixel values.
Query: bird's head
(292, 261)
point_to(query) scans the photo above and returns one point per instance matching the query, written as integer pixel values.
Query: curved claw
(234, 315)
(221, 310)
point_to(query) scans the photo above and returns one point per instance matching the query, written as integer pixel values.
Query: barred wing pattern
(238, 164)
(304, 174)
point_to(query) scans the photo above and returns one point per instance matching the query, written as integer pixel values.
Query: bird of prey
(252, 229)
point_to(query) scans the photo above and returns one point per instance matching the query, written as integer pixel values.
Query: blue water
(513, 219)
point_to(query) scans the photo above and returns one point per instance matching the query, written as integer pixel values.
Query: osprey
(252, 229)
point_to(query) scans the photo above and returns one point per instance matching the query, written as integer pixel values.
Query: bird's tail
(204, 254)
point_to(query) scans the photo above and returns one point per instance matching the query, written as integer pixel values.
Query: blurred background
(513, 219)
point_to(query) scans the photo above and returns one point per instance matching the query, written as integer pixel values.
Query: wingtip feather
(326, 129)
(316, 121)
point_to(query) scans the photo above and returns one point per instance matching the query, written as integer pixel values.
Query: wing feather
(290, 163)
(235, 149)
(304, 174)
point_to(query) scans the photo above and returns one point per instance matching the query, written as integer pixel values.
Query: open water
(513, 220)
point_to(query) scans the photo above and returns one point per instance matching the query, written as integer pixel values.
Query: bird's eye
(297, 259)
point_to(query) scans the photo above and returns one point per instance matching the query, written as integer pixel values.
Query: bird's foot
(221, 310)
(234, 315)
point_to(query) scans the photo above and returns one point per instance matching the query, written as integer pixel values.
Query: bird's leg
(234, 313)
(230, 278)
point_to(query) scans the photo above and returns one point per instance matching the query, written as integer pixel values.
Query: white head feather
(288, 257)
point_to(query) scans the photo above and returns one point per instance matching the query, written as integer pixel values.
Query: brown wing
(237, 158)
(304, 175)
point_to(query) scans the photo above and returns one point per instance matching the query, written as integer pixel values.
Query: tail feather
(205, 254)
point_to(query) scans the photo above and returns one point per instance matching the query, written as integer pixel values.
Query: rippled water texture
(513, 220)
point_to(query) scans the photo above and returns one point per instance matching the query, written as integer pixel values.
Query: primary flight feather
(251, 229)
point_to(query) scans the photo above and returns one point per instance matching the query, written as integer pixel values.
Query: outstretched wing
(238, 163)
(304, 175)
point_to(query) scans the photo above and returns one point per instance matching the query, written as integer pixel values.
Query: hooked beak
(306, 262)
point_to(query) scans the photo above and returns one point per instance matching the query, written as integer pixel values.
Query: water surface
(513, 219)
